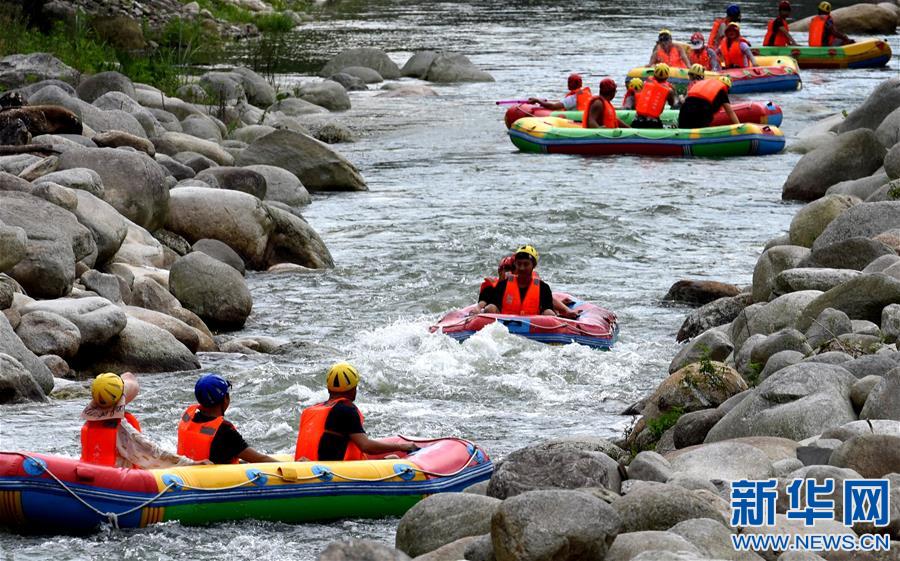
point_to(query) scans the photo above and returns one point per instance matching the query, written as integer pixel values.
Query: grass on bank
(274, 22)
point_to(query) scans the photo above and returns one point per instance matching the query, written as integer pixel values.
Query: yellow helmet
(825, 7)
(529, 250)
(665, 32)
(342, 377)
(636, 84)
(107, 389)
(725, 80)
(661, 71)
(696, 70)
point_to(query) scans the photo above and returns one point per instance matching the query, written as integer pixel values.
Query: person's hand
(202, 463)
(411, 447)
(533, 100)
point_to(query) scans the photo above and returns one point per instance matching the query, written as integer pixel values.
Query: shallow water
(448, 196)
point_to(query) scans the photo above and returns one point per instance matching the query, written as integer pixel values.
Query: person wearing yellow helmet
(526, 294)
(635, 85)
(668, 52)
(822, 31)
(656, 93)
(704, 99)
(333, 430)
(107, 441)
(734, 50)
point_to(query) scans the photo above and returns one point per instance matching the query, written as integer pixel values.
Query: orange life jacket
(653, 99)
(817, 32)
(98, 440)
(714, 34)
(672, 57)
(773, 39)
(312, 428)
(706, 89)
(629, 94)
(701, 57)
(582, 98)
(610, 119)
(732, 56)
(513, 304)
(195, 439)
(489, 282)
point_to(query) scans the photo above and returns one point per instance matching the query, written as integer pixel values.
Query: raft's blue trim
(603, 343)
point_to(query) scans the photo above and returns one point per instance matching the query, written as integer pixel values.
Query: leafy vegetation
(266, 22)
(664, 422)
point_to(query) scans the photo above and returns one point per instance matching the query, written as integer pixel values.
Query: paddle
(511, 102)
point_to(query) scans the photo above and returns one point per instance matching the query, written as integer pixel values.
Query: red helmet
(784, 5)
(508, 262)
(574, 81)
(607, 85)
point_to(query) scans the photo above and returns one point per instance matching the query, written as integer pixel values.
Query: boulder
(81, 179)
(294, 241)
(714, 314)
(223, 88)
(39, 374)
(628, 546)
(39, 168)
(172, 143)
(830, 323)
(350, 83)
(332, 133)
(95, 86)
(20, 69)
(712, 539)
(796, 402)
(197, 162)
(881, 264)
(106, 225)
(713, 345)
(794, 527)
(141, 347)
(175, 168)
(725, 461)
(871, 112)
(850, 155)
(873, 365)
(811, 278)
(453, 550)
(155, 100)
(865, 220)
(327, 94)
(659, 506)
(417, 66)
(888, 132)
(692, 428)
(849, 430)
(147, 119)
(783, 340)
(367, 75)
(772, 262)
(408, 91)
(140, 249)
(560, 525)
(17, 385)
(444, 518)
(282, 186)
(97, 319)
(696, 386)
(250, 133)
(146, 292)
(294, 107)
(699, 292)
(98, 120)
(555, 464)
(45, 333)
(870, 455)
(454, 67)
(892, 163)
(318, 166)
(105, 285)
(13, 245)
(649, 466)
(58, 195)
(743, 362)
(258, 91)
(367, 57)
(861, 390)
(852, 253)
(883, 402)
(220, 251)
(765, 319)
(235, 179)
(863, 297)
(890, 323)
(861, 188)
(211, 289)
(202, 127)
(361, 550)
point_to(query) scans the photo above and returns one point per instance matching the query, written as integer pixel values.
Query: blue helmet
(733, 10)
(211, 389)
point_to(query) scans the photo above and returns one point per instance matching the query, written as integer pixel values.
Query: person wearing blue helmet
(204, 434)
(732, 14)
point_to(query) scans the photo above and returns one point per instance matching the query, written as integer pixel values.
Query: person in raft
(732, 14)
(601, 114)
(704, 99)
(777, 32)
(333, 430)
(696, 74)
(822, 32)
(656, 93)
(734, 51)
(635, 85)
(108, 441)
(527, 294)
(204, 434)
(668, 52)
(506, 269)
(702, 54)
(577, 99)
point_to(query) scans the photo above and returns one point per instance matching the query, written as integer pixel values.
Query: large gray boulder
(830, 323)
(863, 297)
(282, 186)
(696, 386)
(13, 244)
(55, 241)
(650, 466)
(82, 179)
(218, 87)
(863, 220)
(293, 107)
(861, 188)
(691, 428)
(319, 167)
(892, 163)
(367, 57)
(726, 461)
(795, 527)
(294, 241)
(870, 455)
(235, 179)
(558, 525)
(221, 251)
(202, 127)
(884, 99)
(172, 143)
(883, 401)
(796, 402)
(259, 92)
(659, 506)
(454, 67)
(106, 225)
(12, 346)
(17, 385)
(712, 538)
(852, 253)
(327, 94)
(850, 155)
(20, 69)
(628, 546)
(812, 278)
(765, 319)
(787, 339)
(555, 464)
(95, 86)
(97, 319)
(878, 364)
(716, 313)
(417, 66)
(133, 183)
(772, 262)
(361, 550)
(713, 344)
(120, 101)
(695, 292)
(97, 119)
(211, 289)
(888, 132)
(444, 518)
(141, 347)
(45, 333)
(367, 75)
(890, 323)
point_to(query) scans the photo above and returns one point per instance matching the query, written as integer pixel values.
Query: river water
(449, 195)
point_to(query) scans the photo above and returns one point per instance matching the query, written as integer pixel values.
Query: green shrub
(664, 422)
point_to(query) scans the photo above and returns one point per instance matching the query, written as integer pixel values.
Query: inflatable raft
(775, 74)
(872, 53)
(52, 494)
(595, 327)
(553, 135)
(749, 112)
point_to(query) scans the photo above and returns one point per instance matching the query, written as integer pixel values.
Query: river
(449, 195)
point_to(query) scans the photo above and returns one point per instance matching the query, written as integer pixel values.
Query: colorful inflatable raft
(552, 135)
(749, 112)
(595, 327)
(52, 494)
(775, 74)
(872, 53)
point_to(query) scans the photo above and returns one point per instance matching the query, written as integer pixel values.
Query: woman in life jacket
(702, 54)
(601, 113)
(822, 31)
(506, 269)
(577, 99)
(668, 52)
(734, 51)
(777, 31)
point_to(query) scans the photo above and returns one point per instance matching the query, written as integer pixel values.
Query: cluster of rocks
(128, 218)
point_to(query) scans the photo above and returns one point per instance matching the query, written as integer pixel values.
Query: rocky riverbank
(797, 376)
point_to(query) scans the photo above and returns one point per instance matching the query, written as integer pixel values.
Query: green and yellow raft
(872, 53)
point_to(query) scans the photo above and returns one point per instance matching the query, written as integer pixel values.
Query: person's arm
(748, 54)
(713, 60)
(731, 114)
(621, 124)
(684, 56)
(653, 58)
(251, 456)
(787, 35)
(495, 297)
(546, 300)
(136, 449)
(594, 118)
(371, 446)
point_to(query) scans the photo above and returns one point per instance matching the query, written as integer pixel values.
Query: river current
(449, 195)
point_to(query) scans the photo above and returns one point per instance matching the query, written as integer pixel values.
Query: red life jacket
(706, 89)
(610, 119)
(195, 439)
(672, 57)
(514, 305)
(653, 99)
(817, 32)
(582, 98)
(629, 94)
(701, 57)
(489, 282)
(732, 56)
(98, 440)
(776, 39)
(714, 34)
(312, 428)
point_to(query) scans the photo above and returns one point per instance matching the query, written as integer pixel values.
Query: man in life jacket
(635, 85)
(601, 113)
(333, 430)
(668, 52)
(578, 98)
(734, 51)
(506, 269)
(704, 99)
(204, 434)
(696, 74)
(656, 93)
(822, 32)
(732, 14)
(777, 32)
(701, 54)
(527, 294)
(108, 441)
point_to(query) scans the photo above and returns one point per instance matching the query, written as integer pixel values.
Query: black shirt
(500, 290)
(227, 444)
(777, 24)
(343, 420)
(486, 293)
